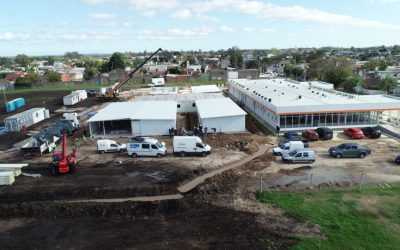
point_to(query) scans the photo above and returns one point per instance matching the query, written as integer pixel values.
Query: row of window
(329, 119)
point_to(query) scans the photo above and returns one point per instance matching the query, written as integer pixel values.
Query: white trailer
(23, 120)
(157, 81)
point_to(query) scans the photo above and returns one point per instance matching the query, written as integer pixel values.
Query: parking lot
(378, 167)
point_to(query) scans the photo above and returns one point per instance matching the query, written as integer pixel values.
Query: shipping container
(15, 104)
(23, 120)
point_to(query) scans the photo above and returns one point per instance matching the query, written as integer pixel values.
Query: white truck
(106, 145)
(73, 118)
(146, 146)
(288, 147)
(190, 145)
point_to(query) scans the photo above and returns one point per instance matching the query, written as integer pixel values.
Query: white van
(146, 146)
(288, 147)
(106, 145)
(190, 145)
(305, 155)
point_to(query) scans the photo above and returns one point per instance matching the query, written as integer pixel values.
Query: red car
(354, 133)
(310, 135)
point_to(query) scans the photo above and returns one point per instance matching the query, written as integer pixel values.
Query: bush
(27, 81)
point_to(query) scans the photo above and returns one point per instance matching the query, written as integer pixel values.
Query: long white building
(306, 105)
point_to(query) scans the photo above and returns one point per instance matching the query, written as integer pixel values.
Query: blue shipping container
(19, 102)
(10, 106)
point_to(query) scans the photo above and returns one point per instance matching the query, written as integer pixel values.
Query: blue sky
(45, 27)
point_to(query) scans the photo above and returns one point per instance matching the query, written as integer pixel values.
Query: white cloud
(224, 28)
(127, 24)
(150, 13)
(257, 8)
(268, 30)
(64, 24)
(181, 14)
(109, 24)
(249, 29)
(206, 18)
(174, 33)
(8, 36)
(102, 16)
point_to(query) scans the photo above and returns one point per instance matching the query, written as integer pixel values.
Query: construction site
(60, 190)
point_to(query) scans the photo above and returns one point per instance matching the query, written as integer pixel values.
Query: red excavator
(63, 163)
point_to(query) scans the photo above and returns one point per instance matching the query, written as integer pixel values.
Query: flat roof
(180, 97)
(219, 107)
(283, 96)
(205, 89)
(26, 112)
(137, 110)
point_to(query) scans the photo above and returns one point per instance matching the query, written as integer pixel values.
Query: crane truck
(110, 93)
(63, 163)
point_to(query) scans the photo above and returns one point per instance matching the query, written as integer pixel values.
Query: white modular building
(137, 118)
(307, 105)
(74, 97)
(23, 120)
(221, 115)
(157, 81)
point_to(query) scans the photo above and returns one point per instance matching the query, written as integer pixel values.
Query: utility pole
(5, 99)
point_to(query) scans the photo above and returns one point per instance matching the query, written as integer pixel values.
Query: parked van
(146, 146)
(288, 147)
(301, 155)
(190, 145)
(106, 145)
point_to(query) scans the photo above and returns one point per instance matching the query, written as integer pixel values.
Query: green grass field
(97, 87)
(349, 219)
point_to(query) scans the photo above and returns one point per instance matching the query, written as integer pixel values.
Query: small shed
(221, 115)
(21, 121)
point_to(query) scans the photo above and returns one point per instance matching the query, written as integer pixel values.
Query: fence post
(361, 179)
(311, 182)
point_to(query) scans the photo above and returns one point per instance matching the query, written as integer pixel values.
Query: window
(37, 114)
(114, 145)
(154, 146)
(305, 154)
(353, 147)
(145, 146)
(347, 148)
(178, 106)
(298, 155)
(193, 105)
(199, 145)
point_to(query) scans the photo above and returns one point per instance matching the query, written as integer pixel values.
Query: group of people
(197, 131)
(84, 138)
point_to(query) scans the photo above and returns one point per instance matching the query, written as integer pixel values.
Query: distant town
(361, 70)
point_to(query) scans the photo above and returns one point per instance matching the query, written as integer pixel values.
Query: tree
(73, 55)
(371, 65)
(317, 69)
(90, 73)
(337, 75)
(383, 65)
(291, 70)
(252, 64)
(236, 57)
(388, 84)
(117, 61)
(174, 70)
(5, 61)
(54, 77)
(27, 81)
(23, 60)
(353, 81)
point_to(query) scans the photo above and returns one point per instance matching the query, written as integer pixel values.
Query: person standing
(84, 138)
(91, 138)
(205, 131)
(277, 129)
(76, 142)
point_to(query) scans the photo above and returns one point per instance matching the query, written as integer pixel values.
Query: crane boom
(110, 94)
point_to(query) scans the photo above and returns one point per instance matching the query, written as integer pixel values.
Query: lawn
(349, 219)
(97, 87)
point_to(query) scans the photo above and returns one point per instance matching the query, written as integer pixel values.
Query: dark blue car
(290, 134)
(397, 159)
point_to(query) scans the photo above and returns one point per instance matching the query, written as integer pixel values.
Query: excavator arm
(111, 93)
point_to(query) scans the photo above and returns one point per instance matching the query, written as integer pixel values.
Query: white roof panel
(139, 110)
(220, 107)
(205, 89)
(180, 97)
(286, 96)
